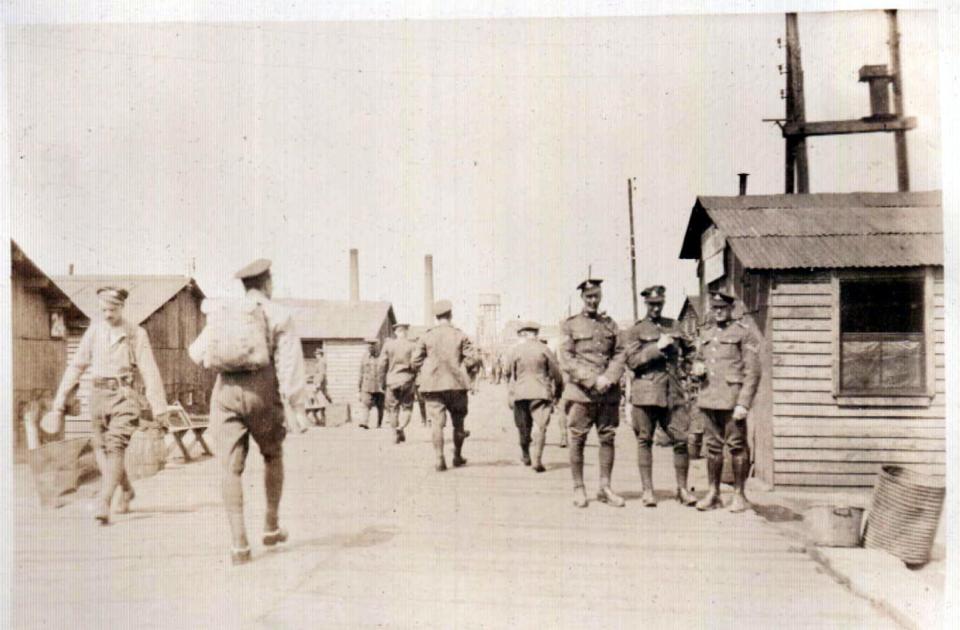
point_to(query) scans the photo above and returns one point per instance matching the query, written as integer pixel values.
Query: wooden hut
(691, 314)
(168, 308)
(847, 293)
(342, 329)
(43, 318)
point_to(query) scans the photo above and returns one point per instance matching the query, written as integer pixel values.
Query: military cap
(254, 269)
(399, 325)
(589, 283)
(654, 294)
(441, 307)
(719, 298)
(534, 326)
(114, 295)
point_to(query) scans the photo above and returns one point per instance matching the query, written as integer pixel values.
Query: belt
(109, 383)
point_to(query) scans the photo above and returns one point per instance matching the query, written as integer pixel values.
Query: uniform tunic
(397, 358)
(535, 381)
(442, 356)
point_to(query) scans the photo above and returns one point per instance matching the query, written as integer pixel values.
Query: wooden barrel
(146, 454)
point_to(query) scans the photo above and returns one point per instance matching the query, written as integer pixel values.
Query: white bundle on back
(235, 338)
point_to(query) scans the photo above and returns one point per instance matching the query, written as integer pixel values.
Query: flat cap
(589, 283)
(114, 295)
(655, 294)
(254, 269)
(441, 307)
(534, 326)
(719, 298)
(401, 325)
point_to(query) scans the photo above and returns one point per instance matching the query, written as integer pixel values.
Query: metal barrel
(904, 514)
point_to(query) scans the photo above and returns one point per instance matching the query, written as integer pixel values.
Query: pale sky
(502, 147)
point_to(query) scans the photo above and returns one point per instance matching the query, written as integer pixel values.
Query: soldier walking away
(592, 357)
(443, 355)
(118, 356)
(729, 363)
(249, 400)
(533, 376)
(397, 358)
(653, 352)
(371, 386)
(317, 386)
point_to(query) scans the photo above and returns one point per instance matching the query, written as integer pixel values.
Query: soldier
(247, 404)
(534, 377)
(319, 398)
(397, 358)
(728, 361)
(443, 356)
(370, 386)
(653, 351)
(592, 357)
(118, 356)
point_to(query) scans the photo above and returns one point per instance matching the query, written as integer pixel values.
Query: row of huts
(50, 315)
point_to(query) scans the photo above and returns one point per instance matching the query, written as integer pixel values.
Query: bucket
(57, 468)
(904, 514)
(833, 525)
(146, 454)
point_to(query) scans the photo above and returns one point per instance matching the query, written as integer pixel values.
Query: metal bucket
(834, 526)
(904, 514)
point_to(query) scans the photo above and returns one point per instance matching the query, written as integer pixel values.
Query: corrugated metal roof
(824, 230)
(336, 319)
(147, 293)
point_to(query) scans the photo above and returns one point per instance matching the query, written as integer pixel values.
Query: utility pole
(633, 250)
(796, 158)
(900, 135)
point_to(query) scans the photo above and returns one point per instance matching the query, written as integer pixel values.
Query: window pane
(861, 365)
(902, 364)
(881, 306)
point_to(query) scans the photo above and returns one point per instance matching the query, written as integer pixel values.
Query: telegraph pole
(633, 250)
(900, 135)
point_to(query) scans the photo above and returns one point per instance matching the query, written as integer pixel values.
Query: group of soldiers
(438, 369)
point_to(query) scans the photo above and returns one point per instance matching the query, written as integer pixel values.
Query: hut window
(882, 346)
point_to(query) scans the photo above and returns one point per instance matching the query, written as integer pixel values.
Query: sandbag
(235, 338)
(146, 454)
(57, 468)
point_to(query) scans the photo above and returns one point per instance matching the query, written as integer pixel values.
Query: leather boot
(123, 503)
(538, 439)
(648, 497)
(579, 497)
(681, 466)
(714, 470)
(526, 454)
(441, 464)
(608, 496)
(741, 467)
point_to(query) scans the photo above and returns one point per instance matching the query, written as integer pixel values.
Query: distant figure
(653, 351)
(729, 364)
(118, 356)
(397, 359)
(317, 386)
(250, 403)
(371, 387)
(443, 356)
(534, 376)
(592, 357)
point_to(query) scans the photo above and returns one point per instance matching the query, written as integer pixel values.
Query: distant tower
(488, 319)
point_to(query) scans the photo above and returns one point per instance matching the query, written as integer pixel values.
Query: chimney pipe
(70, 270)
(354, 275)
(743, 182)
(427, 290)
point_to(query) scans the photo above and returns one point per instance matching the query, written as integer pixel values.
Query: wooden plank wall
(816, 441)
(343, 368)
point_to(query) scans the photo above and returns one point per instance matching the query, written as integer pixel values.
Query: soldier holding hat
(592, 356)
(729, 364)
(534, 375)
(397, 358)
(118, 356)
(443, 355)
(251, 403)
(653, 351)
(371, 386)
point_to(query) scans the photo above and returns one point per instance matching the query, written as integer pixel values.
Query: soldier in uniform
(534, 376)
(251, 404)
(117, 353)
(317, 383)
(397, 358)
(592, 356)
(729, 364)
(371, 386)
(443, 355)
(653, 352)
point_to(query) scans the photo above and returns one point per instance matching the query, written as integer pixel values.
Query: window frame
(887, 397)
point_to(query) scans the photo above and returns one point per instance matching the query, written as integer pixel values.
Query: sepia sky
(502, 147)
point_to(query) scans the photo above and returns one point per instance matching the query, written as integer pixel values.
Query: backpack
(235, 337)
